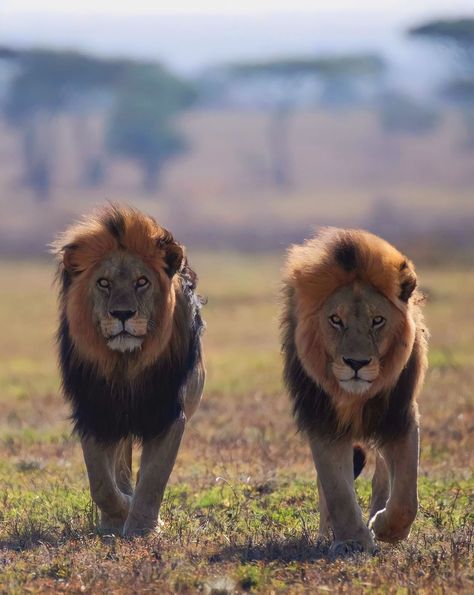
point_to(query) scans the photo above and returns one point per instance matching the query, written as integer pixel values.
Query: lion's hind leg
(194, 388)
(324, 516)
(112, 502)
(123, 467)
(380, 485)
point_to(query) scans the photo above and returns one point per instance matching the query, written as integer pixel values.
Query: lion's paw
(111, 525)
(351, 547)
(141, 527)
(390, 528)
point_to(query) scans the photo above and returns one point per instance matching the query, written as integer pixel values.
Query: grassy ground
(240, 512)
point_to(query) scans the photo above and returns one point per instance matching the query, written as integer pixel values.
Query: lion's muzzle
(355, 375)
(124, 330)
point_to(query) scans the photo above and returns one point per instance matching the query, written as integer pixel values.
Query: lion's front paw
(110, 525)
(114, 523)
(350, 547)
(140, 526)
(391, 528)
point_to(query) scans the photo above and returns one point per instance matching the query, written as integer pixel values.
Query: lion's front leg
(393, 523)
(113, 504)
(157, 462)
(335, 468)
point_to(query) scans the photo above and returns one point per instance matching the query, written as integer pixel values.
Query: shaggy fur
(314, 271)
(115, 395)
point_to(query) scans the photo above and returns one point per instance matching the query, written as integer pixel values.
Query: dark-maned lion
(130, 357)
(354, 346)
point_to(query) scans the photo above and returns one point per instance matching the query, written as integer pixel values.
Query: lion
(129, 341)
(354, 345)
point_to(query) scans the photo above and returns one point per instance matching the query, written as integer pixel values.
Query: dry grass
(240, 511)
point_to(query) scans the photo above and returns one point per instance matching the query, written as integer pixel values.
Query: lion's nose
(123, 315)
(356, 364)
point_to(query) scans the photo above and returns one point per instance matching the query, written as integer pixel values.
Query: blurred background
(240, 127)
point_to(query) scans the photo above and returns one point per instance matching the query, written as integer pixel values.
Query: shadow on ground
(301, 549)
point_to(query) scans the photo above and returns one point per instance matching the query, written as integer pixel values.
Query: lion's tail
(359, 460)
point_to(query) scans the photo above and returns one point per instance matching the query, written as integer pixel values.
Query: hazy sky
(191, 34)
(397, 7)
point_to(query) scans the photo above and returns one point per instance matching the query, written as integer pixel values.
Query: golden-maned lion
(130, 357)
(355, 346)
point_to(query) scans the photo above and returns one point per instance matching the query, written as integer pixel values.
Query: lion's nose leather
(123, 315)
(356, 364)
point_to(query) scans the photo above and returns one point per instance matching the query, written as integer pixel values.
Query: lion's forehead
(358, 303)
(122, 266)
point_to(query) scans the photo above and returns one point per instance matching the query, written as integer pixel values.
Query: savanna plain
(240, 513)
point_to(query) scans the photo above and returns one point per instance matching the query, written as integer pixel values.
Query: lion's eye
(103, 283)
(141, 282)
(335, 320)
(378, 321)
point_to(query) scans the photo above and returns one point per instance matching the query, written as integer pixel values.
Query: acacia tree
(289, 80)
(142, 125)
(455, 36)
(48, 83)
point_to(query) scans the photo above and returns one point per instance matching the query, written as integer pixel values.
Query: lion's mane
(115, 395)
(313, 272)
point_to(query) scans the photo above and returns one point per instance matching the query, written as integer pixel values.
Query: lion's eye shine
(336, 321)
(141, 282)
(378, 321)
(103, 283)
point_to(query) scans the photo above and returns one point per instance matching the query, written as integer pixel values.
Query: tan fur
(81, 251)
(337, 286)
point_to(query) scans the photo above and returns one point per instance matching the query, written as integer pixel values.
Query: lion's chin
(355, 386)
(124, 342)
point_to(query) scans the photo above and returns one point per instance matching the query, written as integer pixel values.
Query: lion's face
(357, 324)
(124, 292)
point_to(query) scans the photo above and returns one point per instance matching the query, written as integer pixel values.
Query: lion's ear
(174, 258)
(173, 254)
(69, 258)
(407, 280)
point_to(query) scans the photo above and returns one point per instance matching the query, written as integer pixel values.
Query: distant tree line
(138, 100)
(456, 37)
(139, 103)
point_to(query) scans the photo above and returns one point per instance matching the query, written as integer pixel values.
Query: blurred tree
(288, 78)
(46, 84)
(401, 114)
(7, 53)
(456, 36)
(142, 124)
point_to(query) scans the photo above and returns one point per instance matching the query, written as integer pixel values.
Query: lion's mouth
(356, 379)
(124, 334)
(355, 385)
(125, 341)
